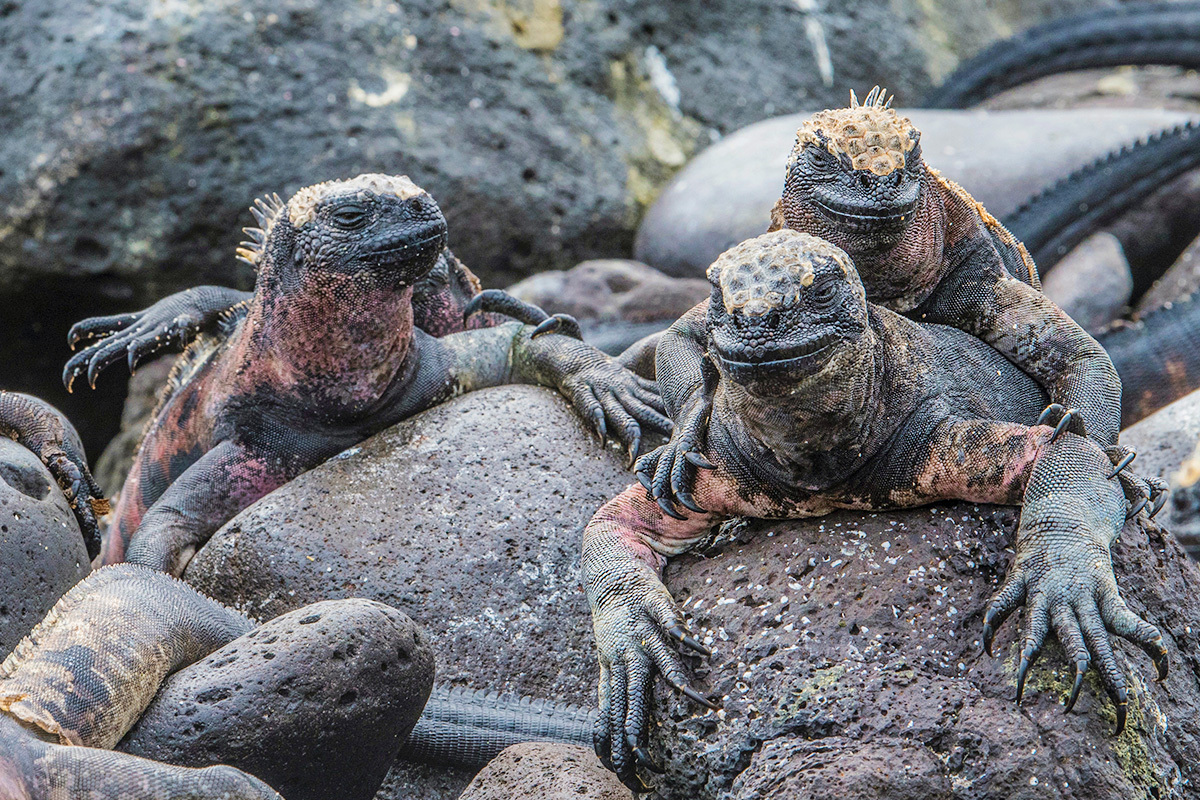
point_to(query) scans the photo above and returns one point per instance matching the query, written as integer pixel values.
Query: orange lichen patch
(770, 271)
(871, 136)
(303, 204)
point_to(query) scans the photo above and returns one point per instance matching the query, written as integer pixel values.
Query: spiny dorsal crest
(871, 135)
(302, 206)
(265, 210)
(772, 270)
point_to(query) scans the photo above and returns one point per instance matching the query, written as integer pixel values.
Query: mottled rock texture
(546, 772)
(351, 676)
(848, 662)
(138, 131)
(41, 549)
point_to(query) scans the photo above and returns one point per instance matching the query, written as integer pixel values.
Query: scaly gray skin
(926, 249)
(324, 355)
(42, 429)
(823, 401)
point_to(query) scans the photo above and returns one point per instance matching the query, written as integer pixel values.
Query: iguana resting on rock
(324, 354)
(823, 401)
(925, 249)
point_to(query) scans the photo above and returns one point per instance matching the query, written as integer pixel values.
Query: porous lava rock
(848, 664)
(467, 517)
(42, 554)
(546, 772)
(322, 696)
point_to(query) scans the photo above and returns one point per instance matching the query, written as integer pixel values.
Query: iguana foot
(637, 626)
(42, 429)
(1062, 419)
(498, 301)
(170, 324)
(1140, 491)
(611, 396)
(1074, 594)
(669, 473)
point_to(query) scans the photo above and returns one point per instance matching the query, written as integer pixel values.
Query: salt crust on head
(770, 271)
(872, 136)
(303, 205)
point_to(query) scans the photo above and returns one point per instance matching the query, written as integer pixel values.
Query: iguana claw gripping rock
(43, 430)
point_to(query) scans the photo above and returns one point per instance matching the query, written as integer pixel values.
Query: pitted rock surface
(852, 642)
(546, 772)
(42, 554)
(467, 518)
(345, 665)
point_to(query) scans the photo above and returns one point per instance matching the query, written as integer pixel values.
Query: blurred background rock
(138, 131)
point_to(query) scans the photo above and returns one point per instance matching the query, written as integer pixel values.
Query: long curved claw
(1122, 464)
(1063, 423)
(668, 509)
(1136, 507)
(685, 637)
(686, 690)
(1028, 656)
(564, 324)
(699, 460)
(1159, 501)
(642, 756)
(1081, 667)
(689, 502)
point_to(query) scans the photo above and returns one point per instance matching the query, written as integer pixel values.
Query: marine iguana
(324, 354)
(923, 248)
(824, 401)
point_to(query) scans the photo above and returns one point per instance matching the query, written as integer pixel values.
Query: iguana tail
(1135, 34)
(468, 727)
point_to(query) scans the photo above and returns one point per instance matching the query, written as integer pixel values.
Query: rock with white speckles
(467, 518)
(848, 659)
(546, 772)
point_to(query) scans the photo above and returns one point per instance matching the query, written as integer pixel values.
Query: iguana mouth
(860, 219)
(808, 354)
(403, 252)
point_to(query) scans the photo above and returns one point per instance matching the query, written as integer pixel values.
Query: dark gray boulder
(315, 702)
(42, 554)
(725, 194)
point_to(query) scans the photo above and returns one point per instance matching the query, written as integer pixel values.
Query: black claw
(699, 698)
(698, 460)
(1067, 416)
(1159, 500)
(644, 480)
(1049, 411)
(1081, 667)
(601, 426)
(1162, 663)
(689, 502)
(642, 756)
(988, 634)
(549, 325)
(635, 444)
(1122, 710)
(1027, 659)
(1122, 464)
(669, 509)
(1138, 506)
(684, 637)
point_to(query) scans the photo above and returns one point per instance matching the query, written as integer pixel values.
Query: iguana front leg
(169, 325)
(43, 430)
(605, 394)
(1062, 571)
(209, 493)
(688, 381)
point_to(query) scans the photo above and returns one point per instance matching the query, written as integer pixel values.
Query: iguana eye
(822, 158)
(350, 217)
(824, 292)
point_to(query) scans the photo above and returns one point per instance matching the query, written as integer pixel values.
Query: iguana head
(785, 307)
(854, 176)
(381, 228)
